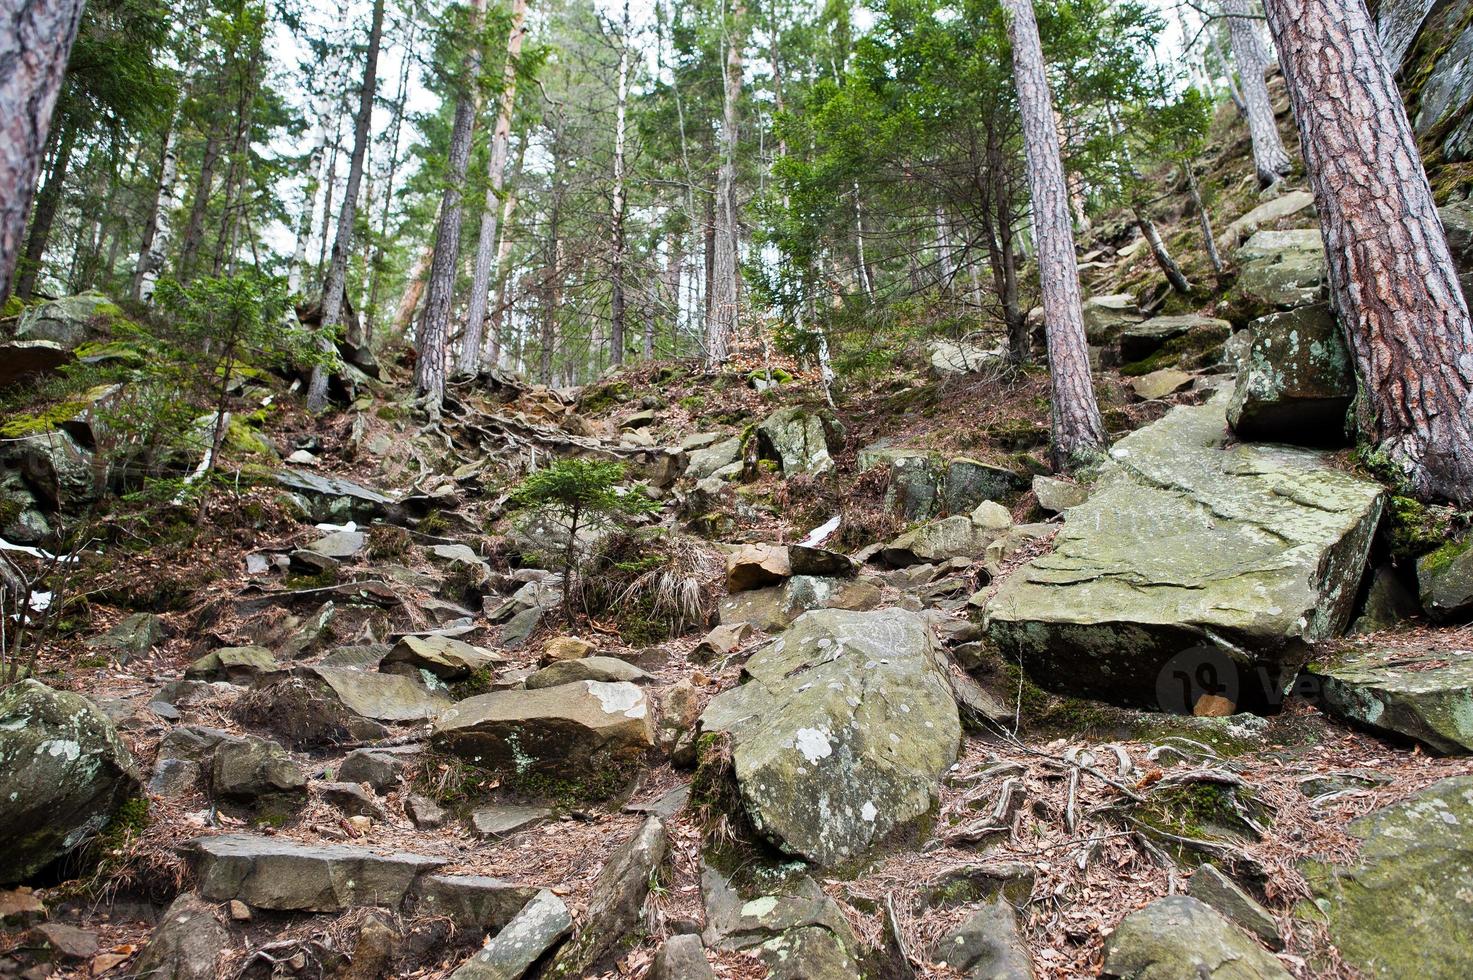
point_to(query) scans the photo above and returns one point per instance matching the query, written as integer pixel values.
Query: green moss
(481, 681)
(433, 523)
(321, 580)
(605, 397)
(387, 541)
(48, 420)
(1437, 560)
(241, 438)
(692, 403)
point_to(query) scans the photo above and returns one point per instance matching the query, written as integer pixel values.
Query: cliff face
(1431, 44)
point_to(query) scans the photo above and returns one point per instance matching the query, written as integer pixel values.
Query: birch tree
(619, 202)
(337, 269)
(1078, 431)
(475, 319)
(1392, 277)
(722, 316)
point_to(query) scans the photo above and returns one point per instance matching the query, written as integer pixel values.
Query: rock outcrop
(1179, 937)
(285, 876)
(1296, 382)
(1282, 269)
(1253, 553)
(841, 731)
(800, 441)
(1427, 697)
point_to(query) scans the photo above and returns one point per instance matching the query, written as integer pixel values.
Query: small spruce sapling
(576, 495)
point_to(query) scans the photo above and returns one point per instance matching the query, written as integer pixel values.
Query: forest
(678, 489)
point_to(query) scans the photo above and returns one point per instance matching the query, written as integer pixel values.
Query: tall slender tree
(1392, 276)
(35, 39)
(434, 324)
(337, 269)
(1269, 157)
(723, 283)
(619, 200)
(1079, 434)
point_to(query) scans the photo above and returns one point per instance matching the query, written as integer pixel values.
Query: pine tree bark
(35, 41)
(475, 320)
(434, 325)
(47, 202)
(722, 287)
(1079, 435)
(1392, 278)
(1269, 156)
(337, 270)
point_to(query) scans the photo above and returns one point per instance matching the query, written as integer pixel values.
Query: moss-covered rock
(63, 774)
(1428, 698)
(1296, 382)
(1402, 906)
(800, 440)
(1445, 580)
(1177, 937)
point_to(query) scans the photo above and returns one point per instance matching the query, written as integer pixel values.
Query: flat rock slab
(446, 657)
(1427, 697)
(1237, 556)
(1179, 937)
(572, 729)
(284, 875)
(498, 821)
(381, 697)
(471, 901)
(841, 731)
(25, 358)
(1282, 269)
(1141, 340)
(606, 669)
(1402, 907)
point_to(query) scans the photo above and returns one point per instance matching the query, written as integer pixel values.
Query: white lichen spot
(61, 749)
(868, 812)
(758, 908)
(813, 743)
(618, 697)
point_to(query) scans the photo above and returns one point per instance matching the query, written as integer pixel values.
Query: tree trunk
(434, 325)
(158, 232)
(396, 124)
(1269, 157)
(616, 217)
(414, 288)
(337, 269)
(316, 162)
(34, 46)
(1392, 277)
(47, 202)
(1078, 432)
(1160, 253)
(721, 320)
(503, 255)
(470, 347)
(1203, 219)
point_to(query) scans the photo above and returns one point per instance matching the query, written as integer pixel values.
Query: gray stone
(773, 609)
(970, 483)
(800, 440)
(573, 729)
(681, 958)
(538, 927)
(1179, 937)
(287, 876)
(471, 901)
(332, 499)
(498, 821)
(519, 629)
(1282, 269)
(306, 713)
(1140, 340)
(239, 665)
(820, 562)
(424, 812)
(1426, 697)
(340, 544)
(705, 462)
(251, 769)
(825, 764)
(1276, 209)
(1445, 580)
(1457, 222)
(1387, 603)
(752, 566)
(1446, 84)
(173, 778)
(1402, 907)
(447, 658)
(1160, 384)
(1222, 893)
(1106, 316)
(1056, 496)
(63, 774)
(381, 697)
(950, 357)
(608, 669)
(1296, 383)
(916, 479)
(133, 636)
(57, 469)
(791, 925)
(1184, 545)
(616, 904)
(186, 944)
(25, 359)
(936, 541)
(379, 770)
(352, 799)
(697, 441)
(987, 945)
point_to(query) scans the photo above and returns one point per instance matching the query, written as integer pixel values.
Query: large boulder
(1282, 269)
(1106, 316)
(445, 657)
(1140, 340)
(800, 440)
(59, 470)
(1444, 114)
(987, 945)
(950, 537)
(1177, 937)
(1428, 697)
(841, 731)
(538, 927)
(23, 359)
(1270, 212)
(707, 460)
(1188, 552)
(970, 482)
(69, 321)
(573, 730)
(1445, 580)
(616, 905)
(916, 479)
(186, 945)
(333, 499)
(1296, 382)
(63, 775)
(1402, 906)
(950, 358)
(752, 566)
(787, 921)
(381, 697)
